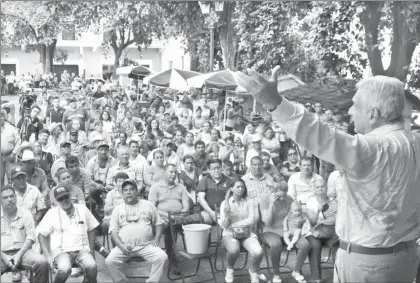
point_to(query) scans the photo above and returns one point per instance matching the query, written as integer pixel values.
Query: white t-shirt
(72, 234)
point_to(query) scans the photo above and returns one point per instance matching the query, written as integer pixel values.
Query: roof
(333, 94)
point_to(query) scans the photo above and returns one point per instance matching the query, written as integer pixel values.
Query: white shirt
(299, 190)
(335, 184)
(72, 234)
(251, 153)
(378, 206)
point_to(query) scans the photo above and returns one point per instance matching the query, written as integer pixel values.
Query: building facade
(86, 56)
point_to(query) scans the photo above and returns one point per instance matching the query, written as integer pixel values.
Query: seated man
(169, 196)
(132, 225)
(212, 190)
(71, 228)
(28, 196)
(113, 198)
(17, 238)
(80, 177)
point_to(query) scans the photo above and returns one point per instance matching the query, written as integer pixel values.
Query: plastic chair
(183, 218)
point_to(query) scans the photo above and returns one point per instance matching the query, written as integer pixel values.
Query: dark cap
(65, 144)
(129, 181)
(60, 192)
(74, 133)
(17, 171)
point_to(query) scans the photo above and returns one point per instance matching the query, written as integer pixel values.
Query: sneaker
(229, 275)
(276, 279)
(298, 277)
(76, 272)
(16, 276)
(255, 278)
(174, 268)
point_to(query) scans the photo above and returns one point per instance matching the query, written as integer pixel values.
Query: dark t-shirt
(80, 114)
(239, 127)
(55, 116)
(215, 192)
(171, 129)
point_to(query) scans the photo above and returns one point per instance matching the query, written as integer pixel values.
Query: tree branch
(370, 19)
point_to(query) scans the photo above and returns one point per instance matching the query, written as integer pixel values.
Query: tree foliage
(125, 23)
(37, 24)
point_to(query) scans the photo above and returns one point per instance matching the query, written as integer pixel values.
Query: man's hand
(273, 198)
(17, 259)
(126, 249)
(264, 91)
(12, 157)
(155, 242)
(226, 208)
(213, 216)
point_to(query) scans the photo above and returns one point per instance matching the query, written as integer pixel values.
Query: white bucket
(196, 238)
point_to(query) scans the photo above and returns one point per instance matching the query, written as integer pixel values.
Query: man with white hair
(377, 219)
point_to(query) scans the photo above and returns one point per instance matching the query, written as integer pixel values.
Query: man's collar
(222, 178)
(385, 129)
(18, 213)
(128, 166)
(251, 176)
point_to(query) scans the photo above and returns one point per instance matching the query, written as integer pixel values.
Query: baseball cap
(102, 143)
(129, 181)
(65, 144)
(74, 133)
(60, 192)
(308, 104)
(17, 171)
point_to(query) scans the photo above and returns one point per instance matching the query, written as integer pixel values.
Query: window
(69, 32)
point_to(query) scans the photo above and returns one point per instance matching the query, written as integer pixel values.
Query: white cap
(28, 155)
(256, 138)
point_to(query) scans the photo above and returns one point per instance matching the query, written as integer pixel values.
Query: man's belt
(353, 248)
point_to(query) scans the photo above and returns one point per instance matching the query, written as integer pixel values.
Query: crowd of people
(96, 160)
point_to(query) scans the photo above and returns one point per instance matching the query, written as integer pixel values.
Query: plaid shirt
(14, 233)
(84, 181)
(40, 181)
(31, 200)
(130, 170)
(258, 187)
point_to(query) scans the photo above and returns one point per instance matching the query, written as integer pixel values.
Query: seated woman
(156, 172)
(237, 220)
(190, 177)
(274, 209)
(186, 148)
(322, 213)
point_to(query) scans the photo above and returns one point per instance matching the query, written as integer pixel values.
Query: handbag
(240, 233)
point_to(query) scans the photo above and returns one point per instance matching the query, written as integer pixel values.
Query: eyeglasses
(66, 197)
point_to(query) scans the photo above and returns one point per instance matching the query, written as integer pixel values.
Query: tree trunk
(194, 62)
(42, 55)
(117, 53)
(228, 40)
(49, 58)
(403, 42)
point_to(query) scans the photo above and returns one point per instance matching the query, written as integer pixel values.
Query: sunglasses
(66, 197)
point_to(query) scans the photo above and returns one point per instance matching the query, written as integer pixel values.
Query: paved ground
(204, 274)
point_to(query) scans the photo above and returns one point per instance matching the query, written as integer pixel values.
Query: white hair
(386, 94)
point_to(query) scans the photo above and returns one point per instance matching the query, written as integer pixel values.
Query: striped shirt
(31, 200)
(14, 233)
(130, 170)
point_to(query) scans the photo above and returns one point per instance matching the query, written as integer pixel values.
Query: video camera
(26, 100)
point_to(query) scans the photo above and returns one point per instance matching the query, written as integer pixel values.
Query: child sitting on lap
(293, 223)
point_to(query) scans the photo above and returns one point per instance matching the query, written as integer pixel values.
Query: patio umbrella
(224, 80)
(133, 72)
(172, 78)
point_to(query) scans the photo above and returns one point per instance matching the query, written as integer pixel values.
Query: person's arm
(285, 226)
(92, 238)
(80, 196)
(268, 211)
(45, 248)
(331, 191)
(110, 179)
(29, 241)
(148, 177)
(224, 215)
(225, 154)
(185, 200)
(312, 211)
(153, 198)
(108, 207)
(292, 189)
(65, 114)
(202, 201)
